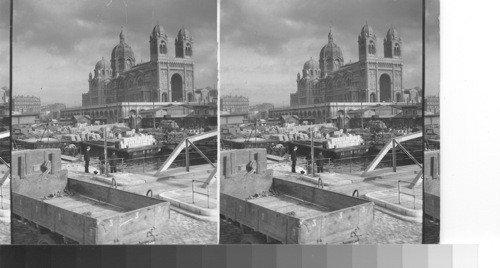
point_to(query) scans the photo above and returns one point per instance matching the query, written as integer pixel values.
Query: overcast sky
(265, 43)
(58, 42)
(4, 43)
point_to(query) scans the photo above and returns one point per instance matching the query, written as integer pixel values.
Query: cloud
(57, 42)
(265, 43)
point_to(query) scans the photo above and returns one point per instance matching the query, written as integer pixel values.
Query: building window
(397, 50)
(371, 48)
(163, 47)
(189, 50)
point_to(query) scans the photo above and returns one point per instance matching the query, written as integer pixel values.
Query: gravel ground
(385, 230)
(389, 230)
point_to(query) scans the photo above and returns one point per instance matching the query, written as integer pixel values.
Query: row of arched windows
(103, 72)
(341, 82)
(303, 113)
(94, 114)
(130, 83)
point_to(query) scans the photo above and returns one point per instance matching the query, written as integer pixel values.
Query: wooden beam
(4, 134)
(210, 179)
(201, 153)
(178, 149)
(387, 147)
(408, 153)
(417, 180)
(187, 154)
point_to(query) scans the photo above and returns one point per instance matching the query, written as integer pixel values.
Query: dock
(379, 186)
(178, 186)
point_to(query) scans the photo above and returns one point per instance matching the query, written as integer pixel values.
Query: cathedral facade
(167, 77)
(371, 79)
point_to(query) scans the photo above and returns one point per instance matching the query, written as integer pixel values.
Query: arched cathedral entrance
(385, 88)
(176, 82)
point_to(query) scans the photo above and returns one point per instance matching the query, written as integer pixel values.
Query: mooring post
(394, 155)
(106, 151)
(399, 194)
(414, 196)
(208, 196)
(192, 189)
(312, 151)
(187, 155)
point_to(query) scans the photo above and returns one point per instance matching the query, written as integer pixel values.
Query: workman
(112, 162)
(102, 164)
(293, 157)
(86, 158)
(319, 162)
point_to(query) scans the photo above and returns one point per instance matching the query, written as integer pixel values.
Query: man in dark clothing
(293, 157)
(309, 164)
(112, 162)
(86, 158)
(319, 162)
(102, 166)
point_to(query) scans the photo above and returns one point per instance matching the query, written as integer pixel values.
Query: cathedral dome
(311, 65)
(103, 64)
(331, 51)
(122, 50)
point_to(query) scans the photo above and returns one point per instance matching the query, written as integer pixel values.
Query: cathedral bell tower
(158, 43)
(392, 44)
(367, 43)
(183, 44)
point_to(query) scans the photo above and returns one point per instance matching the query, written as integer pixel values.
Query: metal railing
(400, 192)
(200, 193)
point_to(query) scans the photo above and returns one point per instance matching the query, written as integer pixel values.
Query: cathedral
(371, 79)
(167, 77)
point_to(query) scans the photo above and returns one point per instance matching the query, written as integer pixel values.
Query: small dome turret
(311, 69)
(102, 69)
(103, 64)
(311, 65)
(183, 33)
(392, 33)
(158, 30)
(367, 30)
